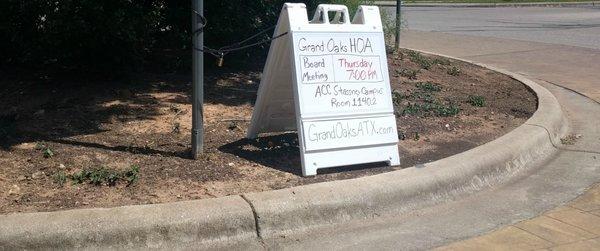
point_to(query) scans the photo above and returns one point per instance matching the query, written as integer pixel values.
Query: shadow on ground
(34, 110)
(281, 152)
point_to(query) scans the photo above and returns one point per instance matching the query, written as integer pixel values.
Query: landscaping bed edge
(300, 208)
(271, 214)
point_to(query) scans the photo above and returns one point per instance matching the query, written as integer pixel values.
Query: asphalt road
(566, 26)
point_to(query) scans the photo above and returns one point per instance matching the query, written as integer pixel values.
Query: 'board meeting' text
(342, 73)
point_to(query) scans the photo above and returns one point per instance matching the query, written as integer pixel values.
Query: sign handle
(322, 14)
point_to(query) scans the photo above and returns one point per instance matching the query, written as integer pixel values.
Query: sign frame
(280, 106)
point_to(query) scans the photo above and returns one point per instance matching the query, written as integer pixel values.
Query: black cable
(254, 44)
(219, 53)
(247, 39)
(203, 22)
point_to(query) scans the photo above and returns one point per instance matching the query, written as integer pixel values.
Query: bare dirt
(51, 131)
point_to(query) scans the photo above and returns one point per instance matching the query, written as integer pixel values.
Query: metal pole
(198, 81)
(398, 23)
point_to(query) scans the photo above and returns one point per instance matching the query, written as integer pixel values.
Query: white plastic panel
(346, 133)
(329, 79)
(341, 73)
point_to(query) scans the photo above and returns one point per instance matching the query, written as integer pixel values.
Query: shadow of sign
(281, 152)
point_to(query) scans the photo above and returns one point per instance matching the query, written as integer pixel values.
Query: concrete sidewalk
(575, 226)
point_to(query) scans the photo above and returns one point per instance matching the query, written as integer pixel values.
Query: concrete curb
(285, 211)
(491, 5)
(251, 218)
(211, 223)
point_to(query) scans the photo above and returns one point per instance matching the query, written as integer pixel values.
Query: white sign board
(328, 79)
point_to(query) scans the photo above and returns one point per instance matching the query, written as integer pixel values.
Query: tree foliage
(119, 36)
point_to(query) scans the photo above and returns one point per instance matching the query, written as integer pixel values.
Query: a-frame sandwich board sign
(328, 79)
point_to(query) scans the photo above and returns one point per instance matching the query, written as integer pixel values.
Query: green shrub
(428, 86)
(131, 175)
(48, 153)
(60, 178)
(103, 176)
(446, 110)
(422, 96)
(478, 101)
(454, 71)
(421, 60)
(80, 177)
(98, 176)
(113, 38)
(408, 73)
(397, 97)
(431, 109)
(441, 61)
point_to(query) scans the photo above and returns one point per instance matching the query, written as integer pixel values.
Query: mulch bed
(102, 144)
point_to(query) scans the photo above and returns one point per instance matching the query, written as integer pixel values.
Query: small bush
(131, 175)
(79, 177)
(60, 178)
(397, 97)
(431, 109)
(103, 176)
(454, 71)
(428, 86)
(412, 109)
(408, 73)
(446, 110)
(98, 176)
(48, 153)
(478, 101)
(421, 60)
(441, 61)
(422, 97)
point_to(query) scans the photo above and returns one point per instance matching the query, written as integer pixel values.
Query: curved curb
(249, 218)
(282, 212)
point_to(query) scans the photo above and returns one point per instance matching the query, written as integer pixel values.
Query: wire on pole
(199, 22)
(241, 45)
